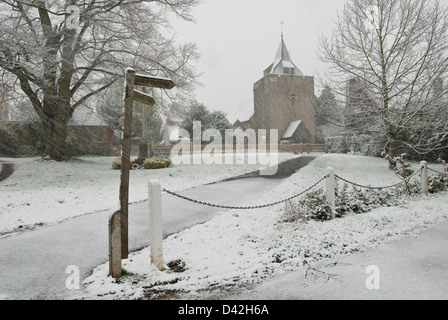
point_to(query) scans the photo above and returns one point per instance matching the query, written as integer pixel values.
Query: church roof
(298, 131)
(292, 129)
(283, 64)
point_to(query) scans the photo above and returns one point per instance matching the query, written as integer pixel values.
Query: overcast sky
(238, 40)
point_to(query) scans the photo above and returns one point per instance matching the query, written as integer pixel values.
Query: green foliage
(312, 206)
(150, 163)
(349, 200)
(129, 276)
(22, 140)
(111, 108)
(156, 163)
(360, 144)
(209, 120)
(116, 164)
(336, 144)
(438, 183)
(177, 266)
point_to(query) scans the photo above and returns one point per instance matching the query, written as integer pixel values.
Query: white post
(155, 223)
(331, 198)
(424, 179)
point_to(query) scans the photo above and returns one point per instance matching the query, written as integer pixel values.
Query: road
(33, 264)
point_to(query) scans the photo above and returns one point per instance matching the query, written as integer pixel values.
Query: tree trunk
(56, 138)
(392, 149)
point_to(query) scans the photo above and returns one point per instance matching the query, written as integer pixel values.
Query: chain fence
(438, 172)
(248, 207)
(213, 205)
(381, 188)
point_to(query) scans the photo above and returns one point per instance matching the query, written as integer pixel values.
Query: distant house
(243, 125)
(172, 130)
(89, 134)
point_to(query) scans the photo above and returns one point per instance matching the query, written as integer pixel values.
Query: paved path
(413, 268)
(33, 264)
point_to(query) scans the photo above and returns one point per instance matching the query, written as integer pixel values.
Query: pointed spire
(283, 64)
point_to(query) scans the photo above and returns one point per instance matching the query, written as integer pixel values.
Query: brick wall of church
(280, 100)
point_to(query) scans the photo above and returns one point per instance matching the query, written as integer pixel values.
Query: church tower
(284, 99)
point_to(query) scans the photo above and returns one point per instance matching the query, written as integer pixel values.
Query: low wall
(283, 148)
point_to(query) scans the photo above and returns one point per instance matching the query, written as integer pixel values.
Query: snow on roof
(283, 61)
(292, 129)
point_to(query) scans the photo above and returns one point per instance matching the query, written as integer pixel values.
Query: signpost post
(131, 95)
(126, 160)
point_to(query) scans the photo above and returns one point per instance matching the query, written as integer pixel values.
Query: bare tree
(62, 53)
(393, 56)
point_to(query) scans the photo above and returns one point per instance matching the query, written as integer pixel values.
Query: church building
(284, 100)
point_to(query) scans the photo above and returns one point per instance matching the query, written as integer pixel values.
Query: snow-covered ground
(243, 248)
(41, 193)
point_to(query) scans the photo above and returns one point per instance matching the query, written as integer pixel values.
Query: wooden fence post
(424, 179)
(331, 198)
(155, 223)
(115, 245)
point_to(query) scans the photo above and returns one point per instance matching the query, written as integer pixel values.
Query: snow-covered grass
(243, 248)
(46, 192)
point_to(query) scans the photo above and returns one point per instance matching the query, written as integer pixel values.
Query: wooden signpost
(144, 98)
(147, 81)
(126, 160)
(131, 95)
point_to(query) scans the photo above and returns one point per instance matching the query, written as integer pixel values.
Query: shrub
(25, 140)
(116, 165)
(401, 168)
(438, 183)
(177, 266)
(365, 145)
(336, 145)
(349, 200)
(156, 163)
(362, 144)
